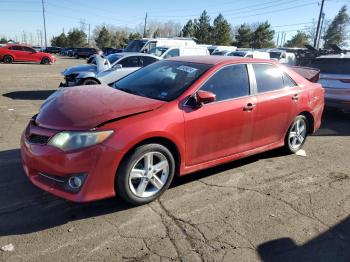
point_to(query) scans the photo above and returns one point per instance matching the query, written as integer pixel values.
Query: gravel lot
(269, 207)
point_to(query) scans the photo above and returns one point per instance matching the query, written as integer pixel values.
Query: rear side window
(332, 65)
(268, 77)
(172, 53)
(288, 82)
(131, 61)
(230, 82)
(27, 49)
(146, 60)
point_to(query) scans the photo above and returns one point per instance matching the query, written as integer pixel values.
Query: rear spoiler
(311, 74)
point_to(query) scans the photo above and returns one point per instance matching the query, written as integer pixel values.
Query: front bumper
(99, 163)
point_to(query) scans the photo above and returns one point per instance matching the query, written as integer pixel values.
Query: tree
(156, 33)
(336, 32)
(262, 36)
(134, 36)
(60, 40)
(188, 29)
(299, 40)
(244, 36)
(3, 40)
(221, 34)
(204, 29)
(119, 39)
(76, 38)
(104, 38)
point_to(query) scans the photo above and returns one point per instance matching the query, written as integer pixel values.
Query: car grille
(38, 139)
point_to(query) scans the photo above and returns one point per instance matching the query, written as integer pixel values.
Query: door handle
(249, 107)
(295, 97)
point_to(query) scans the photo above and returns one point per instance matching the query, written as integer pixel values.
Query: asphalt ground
(268, 207)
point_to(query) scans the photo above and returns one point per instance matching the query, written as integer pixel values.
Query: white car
(250, 54)
(217, 49)
(167, 52)
(103, 70)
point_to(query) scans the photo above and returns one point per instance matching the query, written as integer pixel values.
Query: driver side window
(131, 61)
(229, 82)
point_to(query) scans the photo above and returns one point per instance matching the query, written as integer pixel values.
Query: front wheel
(89, 81)
(296, 135)
(145, 174)
(45, 61)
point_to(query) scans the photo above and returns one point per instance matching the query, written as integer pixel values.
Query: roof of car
(214, 60)
(124, 54)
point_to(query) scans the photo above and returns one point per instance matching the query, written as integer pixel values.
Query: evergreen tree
(76, 38)
(60, 41)
(221, 34)
(299, 40)
(188, 29)
(104, 38)
(244, 36)
(336, 32)
(204, 29)
(3, 40)
(134, 36)
(262, 36)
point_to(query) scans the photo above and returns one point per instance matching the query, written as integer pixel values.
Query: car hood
(86, 107)
(79, 69)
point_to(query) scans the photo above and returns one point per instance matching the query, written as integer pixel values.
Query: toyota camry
(171, 118)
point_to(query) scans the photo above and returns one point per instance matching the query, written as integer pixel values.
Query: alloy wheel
(297, 134)
(149, 174)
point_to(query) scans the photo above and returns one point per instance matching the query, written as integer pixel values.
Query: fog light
(75, 182)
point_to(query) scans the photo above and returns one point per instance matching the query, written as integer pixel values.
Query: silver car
(335, 79)
(106, 70)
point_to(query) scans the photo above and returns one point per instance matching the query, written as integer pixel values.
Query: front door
(224, 127)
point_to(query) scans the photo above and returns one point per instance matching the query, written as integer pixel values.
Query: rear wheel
(90, 81)
(145, 174)
(45, 61)
(8, 59)
(297, 134)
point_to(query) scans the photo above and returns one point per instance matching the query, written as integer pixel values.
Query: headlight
(67, 141)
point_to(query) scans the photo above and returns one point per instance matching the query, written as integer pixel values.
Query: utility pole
(89, 36)
(278, 38)
(145, 27)
(318, 24)
(42, 1)
(320, 36)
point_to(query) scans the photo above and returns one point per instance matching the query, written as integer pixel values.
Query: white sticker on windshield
(187, 69)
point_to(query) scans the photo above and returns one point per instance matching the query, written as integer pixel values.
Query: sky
(18, 16)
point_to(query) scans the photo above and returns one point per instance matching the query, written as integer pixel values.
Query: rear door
(277, 103)
(30, 54)
(17, 53)
(224, 127)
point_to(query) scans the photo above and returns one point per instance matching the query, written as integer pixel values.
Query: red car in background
(22, 53)
(173, 117)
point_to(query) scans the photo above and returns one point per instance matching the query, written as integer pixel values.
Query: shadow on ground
(332, 245)
(20, 199)
(29, 95)
(334, 123)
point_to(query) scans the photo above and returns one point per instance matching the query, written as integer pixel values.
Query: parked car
(15, 53)
(281, 56)
(221, 48)
(103, 70)
(173, 117)
(250, 54)
(52, 50)
(86, 52)
(144, 45)
(167, 52)
(108, 51)
(335, 79)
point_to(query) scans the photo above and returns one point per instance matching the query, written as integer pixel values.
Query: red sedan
(16, 53)
(173, 117)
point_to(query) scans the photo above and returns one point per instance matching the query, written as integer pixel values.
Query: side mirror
(117, 66)
(205, 97)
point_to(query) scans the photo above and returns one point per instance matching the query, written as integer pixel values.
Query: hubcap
(297, 134)
(149, 174)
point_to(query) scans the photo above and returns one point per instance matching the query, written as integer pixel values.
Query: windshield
(135, 46)
(240, 54)
(164, 80)
(158, 51)
(332, 65)
(113, 58)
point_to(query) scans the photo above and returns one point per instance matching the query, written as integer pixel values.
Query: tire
(90, 81)
(77, 56)
(140, 187)
(296, 135)
(7, 59)
(45, 61)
